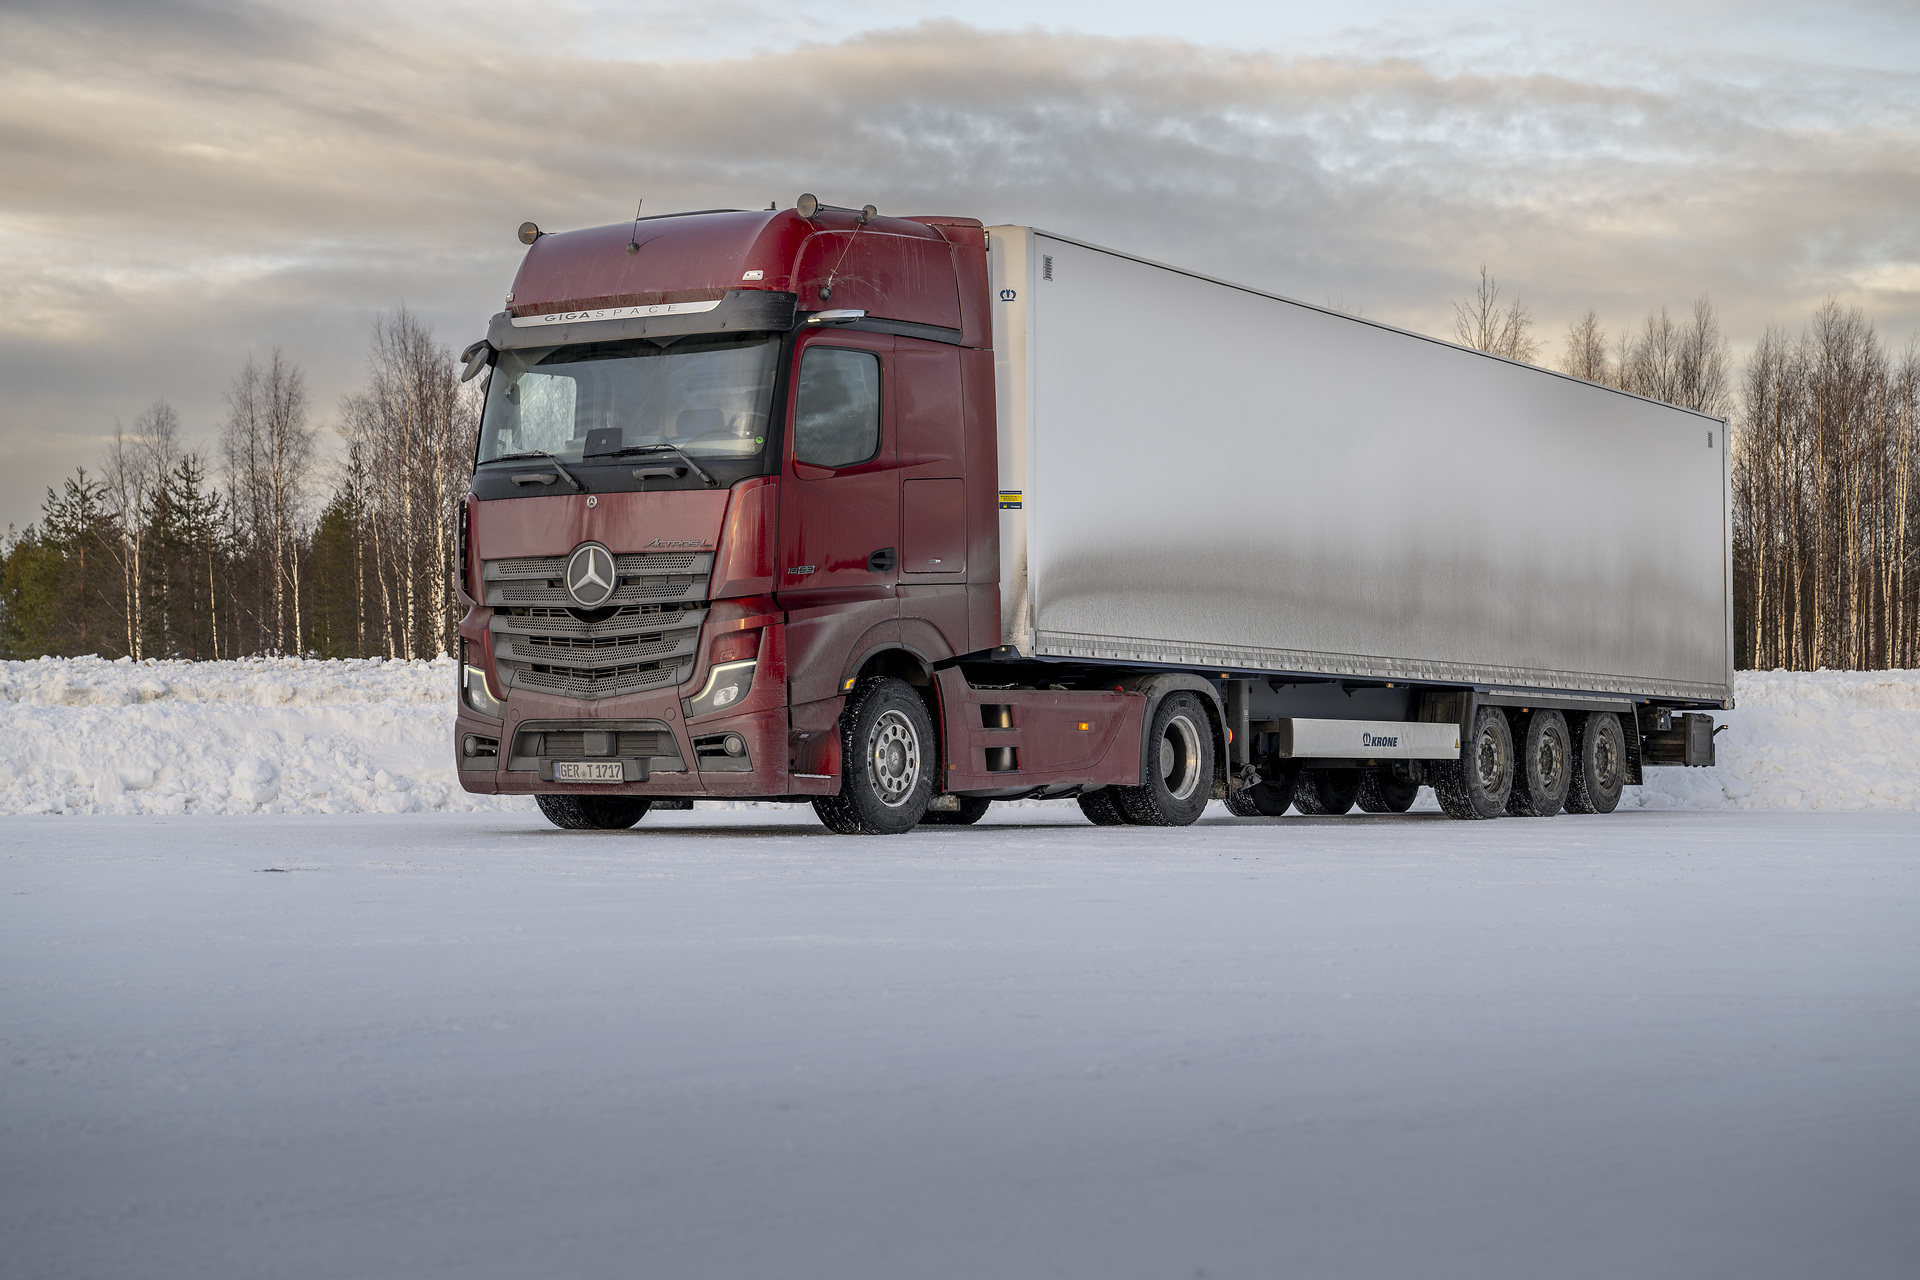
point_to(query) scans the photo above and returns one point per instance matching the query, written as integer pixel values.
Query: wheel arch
(1156, 687)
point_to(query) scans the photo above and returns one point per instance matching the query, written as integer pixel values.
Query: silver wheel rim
(1606, 760)
(1180, 757)
(1551, 761)
(1489, 761)
(894, 759)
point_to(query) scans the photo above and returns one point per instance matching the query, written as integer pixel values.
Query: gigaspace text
(616, 313)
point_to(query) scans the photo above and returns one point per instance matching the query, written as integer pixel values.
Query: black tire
(1599, 771)
(1102, 808)
(593, 813)
(1327, 791)
(1477, 785)
(1543, 768)
(886, 762)
(1267, 798)
(1180, 743)
(1384, 791)
(971, 810)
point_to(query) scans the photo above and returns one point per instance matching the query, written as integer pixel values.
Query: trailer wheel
(1599, 772)
(1384, 791)
(1544, 770)
(1180, 744)
(1102, 808)
(1327, 791)
(593, 813)
(1477, 785)
(886, 749)
(971, 810)
(1268, 798)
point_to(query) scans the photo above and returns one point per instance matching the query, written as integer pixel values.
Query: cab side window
(836, 417)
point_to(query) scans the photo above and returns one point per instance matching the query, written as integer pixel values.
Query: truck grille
(645, 637)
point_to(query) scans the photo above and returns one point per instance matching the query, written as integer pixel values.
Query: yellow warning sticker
(1010, 500)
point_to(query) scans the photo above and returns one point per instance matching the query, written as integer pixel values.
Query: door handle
(882, 561)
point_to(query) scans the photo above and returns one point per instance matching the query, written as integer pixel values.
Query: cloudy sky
(189, 180)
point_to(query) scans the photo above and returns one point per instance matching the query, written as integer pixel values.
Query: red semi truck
(901, 516)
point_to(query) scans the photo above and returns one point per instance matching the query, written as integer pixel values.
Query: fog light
(735, 745)
(468, 746)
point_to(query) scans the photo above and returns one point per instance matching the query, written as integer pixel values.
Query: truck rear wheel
(968, 810)
(886, 750)
(1326, 791)
(1544, 769)
(1102, 808)
(1478, 783)
(1179, 762)
(1599, 772)
(1384, 791)
(1268, 798)
(593, 813)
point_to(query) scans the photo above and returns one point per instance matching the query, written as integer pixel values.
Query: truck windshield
(708, 397)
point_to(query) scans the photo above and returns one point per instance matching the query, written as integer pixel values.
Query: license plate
(589, 771)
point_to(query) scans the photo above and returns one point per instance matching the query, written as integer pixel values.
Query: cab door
(839, 509)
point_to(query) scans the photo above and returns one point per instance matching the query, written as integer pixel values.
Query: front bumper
(741, 753)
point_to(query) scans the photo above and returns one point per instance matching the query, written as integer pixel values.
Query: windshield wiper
(540, 453)
(656, 448)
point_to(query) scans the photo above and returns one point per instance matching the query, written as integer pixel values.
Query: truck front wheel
(1478, 783)
(594, 813)
(886, 749)
(1179, 779)
(1599, 764)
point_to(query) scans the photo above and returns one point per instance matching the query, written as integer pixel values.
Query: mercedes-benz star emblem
(590, 576)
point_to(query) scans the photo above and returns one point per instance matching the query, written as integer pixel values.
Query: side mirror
(476, 358)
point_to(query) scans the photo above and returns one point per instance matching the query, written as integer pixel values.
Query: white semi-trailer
(1388, 528)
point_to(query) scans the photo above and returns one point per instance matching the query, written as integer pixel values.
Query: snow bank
(1807, 740)
(84, 735)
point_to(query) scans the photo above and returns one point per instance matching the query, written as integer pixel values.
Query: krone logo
(590, 576)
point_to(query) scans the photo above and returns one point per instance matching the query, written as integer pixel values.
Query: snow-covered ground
(264, 735)
(729, 1044)
(289, 736)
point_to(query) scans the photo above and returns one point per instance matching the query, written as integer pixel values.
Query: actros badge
(590, 575)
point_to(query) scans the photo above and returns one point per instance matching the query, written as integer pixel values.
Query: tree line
(1826, 493)
(260, 547)
(257, 549)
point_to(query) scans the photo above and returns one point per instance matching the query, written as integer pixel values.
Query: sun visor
(738, 310)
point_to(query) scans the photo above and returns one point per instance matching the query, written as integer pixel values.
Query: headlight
(727, 686)
(473, 685)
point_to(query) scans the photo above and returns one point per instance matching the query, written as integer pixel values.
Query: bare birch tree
(268, 448)
(138, 464)
(1586, 353)
(1485, 324)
